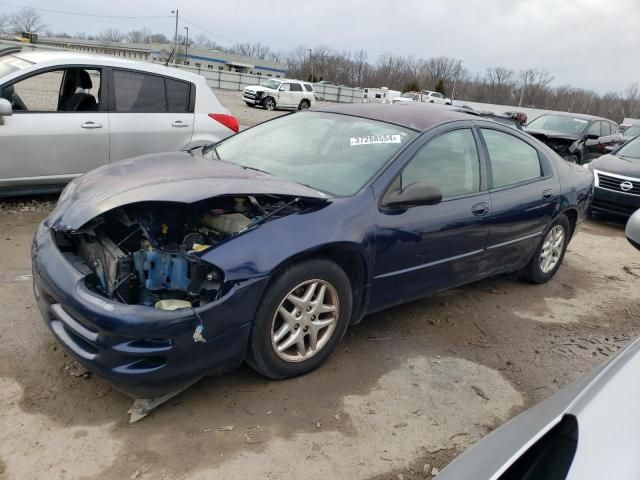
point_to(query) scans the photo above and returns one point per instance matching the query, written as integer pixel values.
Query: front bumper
(140, 350)
(616, 203)
(254, 99)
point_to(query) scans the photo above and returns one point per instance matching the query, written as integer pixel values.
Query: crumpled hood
(618, 165)
(259, 88)
(549, 134)
(167, 177)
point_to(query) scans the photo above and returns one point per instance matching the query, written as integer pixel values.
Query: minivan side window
(296, 87)
(308, 87)
(512, 160)
(449, 162)
(138, 92)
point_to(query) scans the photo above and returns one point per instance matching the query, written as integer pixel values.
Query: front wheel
(573, 158)
(550, 252)
(269, 104)
(301, 319)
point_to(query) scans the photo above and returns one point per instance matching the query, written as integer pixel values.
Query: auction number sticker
(374, 139)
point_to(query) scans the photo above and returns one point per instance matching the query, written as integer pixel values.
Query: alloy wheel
(552, 249)
(305, 320)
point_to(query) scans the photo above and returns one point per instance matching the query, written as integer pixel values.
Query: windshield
(559, 124)
(10, 64)
(335, 154)
(632, 132)
(271, 84)
(630, 150)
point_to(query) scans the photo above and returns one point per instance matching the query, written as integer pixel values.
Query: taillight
(228, 121)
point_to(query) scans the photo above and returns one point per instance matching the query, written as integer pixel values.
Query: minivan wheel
(269, 104)
(550, 252)
(304, 104)
(302, 317)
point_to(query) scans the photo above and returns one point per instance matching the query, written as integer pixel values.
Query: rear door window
(512, 160)
(296, 87)
(138, 92)
(177, 96)
(594, 129)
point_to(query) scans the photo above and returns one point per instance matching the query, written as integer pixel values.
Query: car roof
(581, 116)
(52, 58)
(414, 115)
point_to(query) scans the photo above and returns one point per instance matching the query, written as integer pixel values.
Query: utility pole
(311, 63)
(453, 90)
(524, 84)
(186, 45)
(175, 38)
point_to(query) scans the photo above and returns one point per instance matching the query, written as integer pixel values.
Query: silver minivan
(64, 113)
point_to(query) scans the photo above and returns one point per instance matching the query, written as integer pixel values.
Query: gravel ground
(408, 387)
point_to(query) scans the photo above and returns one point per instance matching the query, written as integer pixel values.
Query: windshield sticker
(579, 120)
(374, 139)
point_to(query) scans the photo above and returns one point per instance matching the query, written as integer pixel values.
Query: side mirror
(414, 194)
(5, 108)
(632, 231)
(592, 136)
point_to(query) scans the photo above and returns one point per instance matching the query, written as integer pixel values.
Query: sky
(591, 44)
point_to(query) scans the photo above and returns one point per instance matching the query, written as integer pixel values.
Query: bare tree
(111, 35)
(138, 36)
(158, 38)
(4, 22)
(255, 50)
(27, 20)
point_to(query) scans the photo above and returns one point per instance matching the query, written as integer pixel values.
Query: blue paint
(405, 254)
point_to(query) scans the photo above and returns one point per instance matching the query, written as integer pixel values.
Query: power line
(207, 31)
(79, 14)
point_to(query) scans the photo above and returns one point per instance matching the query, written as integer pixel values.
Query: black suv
(575, 137)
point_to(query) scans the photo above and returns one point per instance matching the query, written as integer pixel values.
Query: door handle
(547, 194)
(179, 124)
(480, 209)
(91, 125)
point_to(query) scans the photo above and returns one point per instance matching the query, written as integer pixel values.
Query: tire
(304, 105)
(294, 282)
(536, 271)
(269, 104)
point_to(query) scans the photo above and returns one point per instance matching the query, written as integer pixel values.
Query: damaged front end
(568, 147)
(149, 253)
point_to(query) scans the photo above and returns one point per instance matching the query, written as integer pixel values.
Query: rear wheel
(304, 104)
(301, 319)
(269, 104)
(550, 252)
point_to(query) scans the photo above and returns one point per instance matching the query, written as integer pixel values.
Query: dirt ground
(407, 390)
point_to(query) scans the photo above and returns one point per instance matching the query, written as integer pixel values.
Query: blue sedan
(158, 270)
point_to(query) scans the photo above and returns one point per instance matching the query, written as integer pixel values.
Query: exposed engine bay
(562, 146)
(146, 253)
